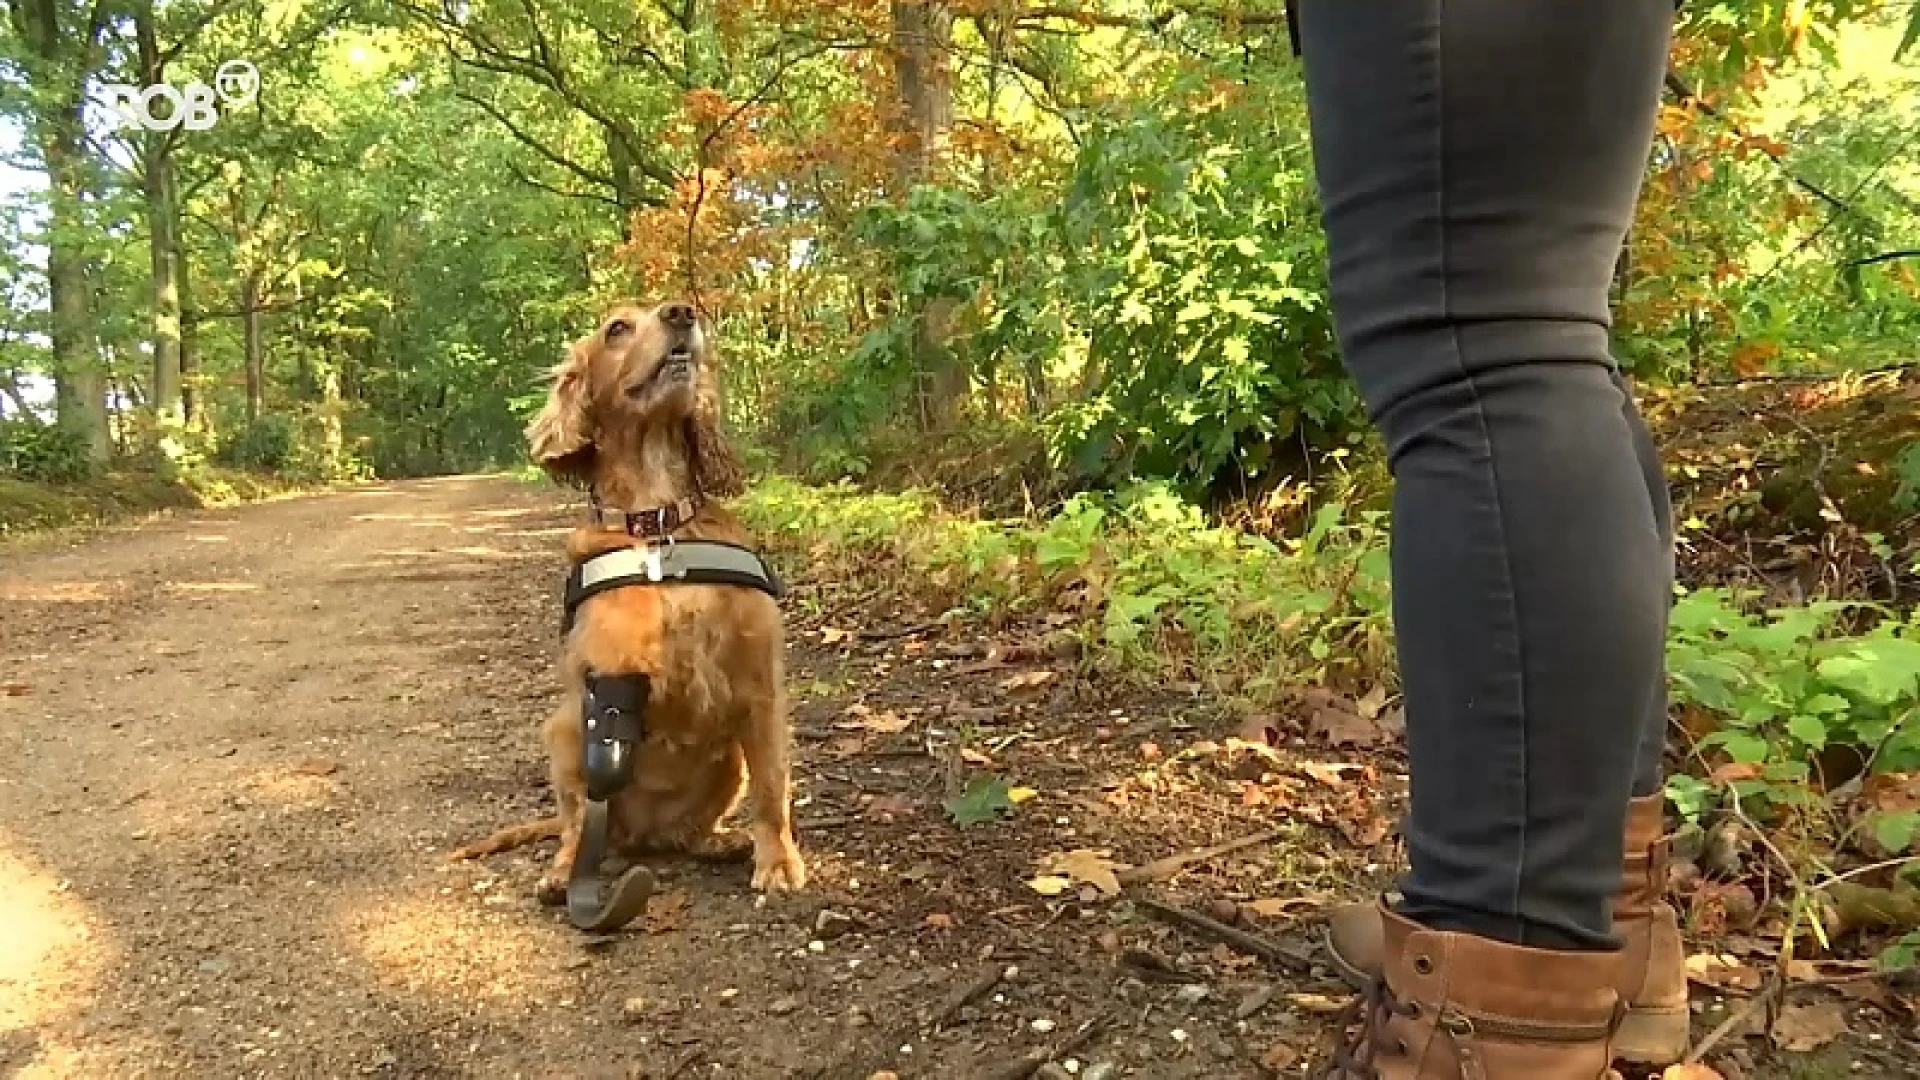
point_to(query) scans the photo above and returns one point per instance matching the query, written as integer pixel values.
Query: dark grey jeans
(1479, 162)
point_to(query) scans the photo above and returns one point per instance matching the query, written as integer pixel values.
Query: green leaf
(1748, 749)
(985, 798)
(1811, 730)
(1896, 831)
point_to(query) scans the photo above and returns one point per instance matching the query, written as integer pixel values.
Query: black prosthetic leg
(614, 718)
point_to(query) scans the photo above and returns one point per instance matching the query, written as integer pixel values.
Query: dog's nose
(678, 316)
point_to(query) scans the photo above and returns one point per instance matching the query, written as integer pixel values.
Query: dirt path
(237, 746)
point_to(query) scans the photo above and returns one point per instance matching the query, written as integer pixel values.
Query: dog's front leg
(777, 864)
(569, 781)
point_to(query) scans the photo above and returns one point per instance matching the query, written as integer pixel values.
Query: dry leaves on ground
(1081, 865)
(1809, 1026)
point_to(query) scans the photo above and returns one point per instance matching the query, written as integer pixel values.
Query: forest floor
(239, 744)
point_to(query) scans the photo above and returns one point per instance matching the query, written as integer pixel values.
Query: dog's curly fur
(644, 431)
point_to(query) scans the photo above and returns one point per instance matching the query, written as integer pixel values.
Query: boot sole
(1653, 1036)
(1647, 1036)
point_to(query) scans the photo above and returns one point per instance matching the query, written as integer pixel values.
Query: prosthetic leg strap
(683, 562)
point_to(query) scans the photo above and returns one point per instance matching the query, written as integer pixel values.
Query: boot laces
(1373, 1010)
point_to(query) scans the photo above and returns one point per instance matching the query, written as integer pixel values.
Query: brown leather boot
(1653, 978)
(1458, 1007)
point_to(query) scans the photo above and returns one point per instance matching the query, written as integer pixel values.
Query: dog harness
(675, 562)
(614, 708)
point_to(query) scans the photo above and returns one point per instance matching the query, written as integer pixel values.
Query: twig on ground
(834, 822)
(986, 979)
(1251, 944)
(1162, 869)
(1732, 1023)
(1027, 1064)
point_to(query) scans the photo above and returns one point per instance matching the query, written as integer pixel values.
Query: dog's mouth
(677, 368)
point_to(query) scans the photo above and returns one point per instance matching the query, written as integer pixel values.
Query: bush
(46, 453)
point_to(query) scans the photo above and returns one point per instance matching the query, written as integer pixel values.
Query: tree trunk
(250, 325)
(163, 229)
(190, 411)
(922, 48)
(80, 391)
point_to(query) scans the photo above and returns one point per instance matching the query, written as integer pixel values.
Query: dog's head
(645, 374)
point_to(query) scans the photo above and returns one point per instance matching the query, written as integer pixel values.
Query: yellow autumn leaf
(1018, 795)
(1050, 884)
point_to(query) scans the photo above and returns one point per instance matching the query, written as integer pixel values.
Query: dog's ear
(716, 467)
(561, 435)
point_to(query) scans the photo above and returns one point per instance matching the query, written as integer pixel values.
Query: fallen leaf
(1150, 751)
(1809, 1026)
(1336, 720)
(1050, 884)
(1734, 771)
(1279, 1058)
(1275, 907)
(974, 757)
(831, 636)
(15, 689)
(883, 723)
(1868, 992)
(938, 921)
(1266, 731)
(1018, 795)
(1327, 773)
(1722, 973)
(1319, 1004)
(1028, 680)
(667, 912)
(984, 799)
(1695, 1071)
(1096, 868)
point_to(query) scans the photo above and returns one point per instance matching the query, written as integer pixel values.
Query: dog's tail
(511, 837)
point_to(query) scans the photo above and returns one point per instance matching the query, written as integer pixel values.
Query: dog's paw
(551, 890)
(779, 870)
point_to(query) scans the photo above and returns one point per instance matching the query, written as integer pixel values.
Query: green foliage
(1786, 684)
(49, 453)
(1177, 282)
(1140, 574)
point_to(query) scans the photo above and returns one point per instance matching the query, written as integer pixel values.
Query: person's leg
(1647, 771)
(1479, 161)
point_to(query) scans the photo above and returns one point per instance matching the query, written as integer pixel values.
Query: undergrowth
(32, 507)
(1802, 718)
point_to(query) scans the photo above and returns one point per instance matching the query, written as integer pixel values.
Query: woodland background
(1025, 301)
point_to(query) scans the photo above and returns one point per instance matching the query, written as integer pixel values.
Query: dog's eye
(618, 328)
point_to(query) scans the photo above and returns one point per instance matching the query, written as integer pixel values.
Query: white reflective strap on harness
(677, 561)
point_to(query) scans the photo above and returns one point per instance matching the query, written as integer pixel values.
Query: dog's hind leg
(709, 840)
(511, 837)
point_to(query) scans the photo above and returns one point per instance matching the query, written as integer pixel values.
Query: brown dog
(633, 412)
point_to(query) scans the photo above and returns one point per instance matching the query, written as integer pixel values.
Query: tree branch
(554, 156)
(1885, 256)
(1688, 97)
(541, 185)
